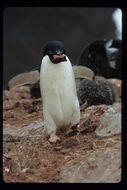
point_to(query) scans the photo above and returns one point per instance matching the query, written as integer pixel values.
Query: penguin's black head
(98, 45)
(55, 50)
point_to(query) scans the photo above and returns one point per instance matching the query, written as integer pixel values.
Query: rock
(99, 91)
(12, 98)
(10, 138)
(20, 98)
(117, 88)
(103, 120)
(90, 129)
(21, 131)
(15, 167)
(8, 105)
(70, 143)
(101, 166)
(89, 120)
(22, 92)
(80, 156)
(110, 122)
(5, 95)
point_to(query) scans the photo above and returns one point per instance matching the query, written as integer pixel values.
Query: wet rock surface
(87, 152)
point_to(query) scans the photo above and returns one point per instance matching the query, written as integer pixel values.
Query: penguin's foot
(54, 138)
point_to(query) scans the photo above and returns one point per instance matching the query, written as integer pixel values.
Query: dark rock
(70, 143)
(96, 92)
(88, 130)
(71, 132)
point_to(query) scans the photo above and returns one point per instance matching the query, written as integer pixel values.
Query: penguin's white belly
(59, 96)
(59, 104)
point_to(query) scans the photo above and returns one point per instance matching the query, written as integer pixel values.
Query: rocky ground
(90, 152)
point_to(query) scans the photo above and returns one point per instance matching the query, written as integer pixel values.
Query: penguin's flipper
(83, 72)
(33, 76)
(24, 79)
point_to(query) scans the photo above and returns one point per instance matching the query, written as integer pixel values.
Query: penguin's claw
(54, 138)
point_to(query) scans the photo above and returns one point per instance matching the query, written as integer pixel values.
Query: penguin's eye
(50, 52)
(61, 51)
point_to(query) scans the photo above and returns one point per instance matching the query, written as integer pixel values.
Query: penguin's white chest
(58, 90)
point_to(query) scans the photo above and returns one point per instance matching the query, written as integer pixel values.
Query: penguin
(94, 56)
(117, 19)
(32, 79)
(58, 90)
(79, 72)
(117, 44)
(103, 57)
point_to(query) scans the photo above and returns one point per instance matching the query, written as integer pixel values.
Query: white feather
(58, 90)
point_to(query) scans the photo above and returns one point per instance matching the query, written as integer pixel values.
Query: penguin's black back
(95, 57)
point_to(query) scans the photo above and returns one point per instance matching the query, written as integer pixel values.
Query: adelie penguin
(58, 90)
(103, 58)
(94, 56)
(117, 44)
(32, 78)
(79, 72)
(56, 82)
